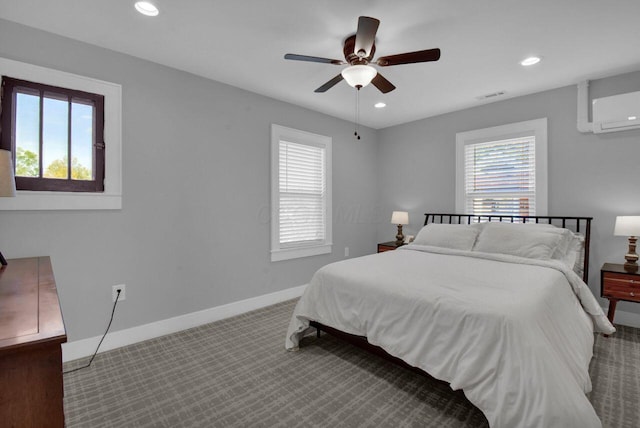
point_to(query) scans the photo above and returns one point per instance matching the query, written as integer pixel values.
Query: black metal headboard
(575, 224)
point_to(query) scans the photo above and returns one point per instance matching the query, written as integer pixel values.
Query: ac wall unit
(616, 113)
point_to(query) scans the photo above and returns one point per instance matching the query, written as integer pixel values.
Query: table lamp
(629, 226)
(7, 183)
(400, 218)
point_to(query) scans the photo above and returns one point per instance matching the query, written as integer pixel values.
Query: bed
(496, 306)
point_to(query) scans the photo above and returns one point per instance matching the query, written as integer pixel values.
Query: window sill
(29, 200)
(295, 253)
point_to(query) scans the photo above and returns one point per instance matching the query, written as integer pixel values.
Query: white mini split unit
(610, 114)
(616, 113)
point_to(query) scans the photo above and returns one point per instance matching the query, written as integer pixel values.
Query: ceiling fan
(358, 53)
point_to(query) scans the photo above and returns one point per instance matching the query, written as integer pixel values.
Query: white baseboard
(630, 319)
(86, 347)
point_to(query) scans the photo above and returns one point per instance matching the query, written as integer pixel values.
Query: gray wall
(194, 229)
(589, 175)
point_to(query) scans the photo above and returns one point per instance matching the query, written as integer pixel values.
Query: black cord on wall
(113, 311)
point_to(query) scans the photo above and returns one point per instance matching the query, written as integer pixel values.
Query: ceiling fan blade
(409, 57)
(382, 84)
(296, 57)
(330, 84)
(365, 36)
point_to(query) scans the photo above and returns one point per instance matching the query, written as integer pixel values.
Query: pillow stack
(454, 236)
(529, 240)
(533, 241)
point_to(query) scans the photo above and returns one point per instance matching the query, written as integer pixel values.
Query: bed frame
(575, 224)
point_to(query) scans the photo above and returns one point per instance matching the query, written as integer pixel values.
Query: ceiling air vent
(489, 96)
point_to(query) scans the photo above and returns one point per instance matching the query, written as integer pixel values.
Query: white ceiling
(242, 43)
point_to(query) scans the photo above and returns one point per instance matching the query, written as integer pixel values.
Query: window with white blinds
(301, 194)
(500, 177)
(503, 170)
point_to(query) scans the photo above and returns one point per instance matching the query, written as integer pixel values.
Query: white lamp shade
(7, 181)
(359, 75)
(400, 217)
(627, 225)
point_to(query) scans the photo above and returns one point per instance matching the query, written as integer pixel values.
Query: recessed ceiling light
(147, 8)
(530, 61)
(380, 105)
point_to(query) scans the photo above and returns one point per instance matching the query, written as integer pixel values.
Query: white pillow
(574, 258)
(455, 236)
(530, 240)
(570, 249)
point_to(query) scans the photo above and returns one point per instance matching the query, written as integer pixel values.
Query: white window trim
(111, 198)
(278, 253)
(536, 127)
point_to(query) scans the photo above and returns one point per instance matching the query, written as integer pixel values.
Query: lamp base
(399, 236)
(631, 257)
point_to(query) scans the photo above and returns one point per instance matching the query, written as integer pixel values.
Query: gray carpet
(615, 373)
(236, 373)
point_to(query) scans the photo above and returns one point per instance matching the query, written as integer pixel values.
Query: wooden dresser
(31, 336)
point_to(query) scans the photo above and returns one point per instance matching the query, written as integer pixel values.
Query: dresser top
(29, 307)
(618, 268)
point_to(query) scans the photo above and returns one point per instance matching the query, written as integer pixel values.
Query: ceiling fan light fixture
(530, 61)
(359, 76)
(147, 8)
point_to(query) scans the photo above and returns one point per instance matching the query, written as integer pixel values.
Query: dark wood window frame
(7, 136)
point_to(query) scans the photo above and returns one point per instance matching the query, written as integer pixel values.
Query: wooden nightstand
(388, 246)
(618, 284)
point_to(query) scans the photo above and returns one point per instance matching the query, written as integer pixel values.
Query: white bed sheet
(516, 335)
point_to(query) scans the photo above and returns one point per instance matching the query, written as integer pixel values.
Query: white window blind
(503, 169)
(302, 194)
(500, 177)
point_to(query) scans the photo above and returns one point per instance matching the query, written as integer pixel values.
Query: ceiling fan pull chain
(356, 133)
(355, 124)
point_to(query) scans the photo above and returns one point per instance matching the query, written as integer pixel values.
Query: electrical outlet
(346, 251)
(123, 292)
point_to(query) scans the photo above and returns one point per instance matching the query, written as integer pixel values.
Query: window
(300, 193)
(35, 164)
(503, 170)
(55, 135)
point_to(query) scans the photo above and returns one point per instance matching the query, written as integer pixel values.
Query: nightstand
(618, 284)
(388, 246)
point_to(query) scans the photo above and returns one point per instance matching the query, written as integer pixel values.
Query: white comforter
(515, 334)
